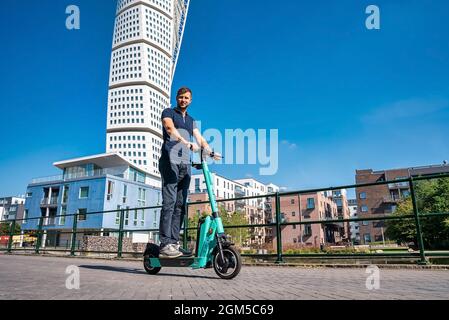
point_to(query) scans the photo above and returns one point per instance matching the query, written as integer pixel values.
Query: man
(175, 168)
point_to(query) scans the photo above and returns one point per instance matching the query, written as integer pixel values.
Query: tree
(5, 229)
(432, 197)
(193, 222)
(238, 235)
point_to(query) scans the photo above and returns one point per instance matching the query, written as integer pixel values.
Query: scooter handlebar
(203, 152)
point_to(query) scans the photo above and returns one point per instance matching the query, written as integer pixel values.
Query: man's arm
(174, 133)
(200, 140)
(203, 143)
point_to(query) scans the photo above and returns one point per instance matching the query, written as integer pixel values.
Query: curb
(350, 266)
(261, 264)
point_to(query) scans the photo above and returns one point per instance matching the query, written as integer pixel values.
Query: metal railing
(277, 224)
(79, 175)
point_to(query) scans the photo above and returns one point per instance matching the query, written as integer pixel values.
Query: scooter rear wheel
(229, 268)
(152, 251)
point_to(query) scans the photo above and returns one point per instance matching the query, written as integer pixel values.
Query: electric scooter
(212, 245)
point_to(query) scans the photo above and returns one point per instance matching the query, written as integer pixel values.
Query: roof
(413, 171)
(104, 160)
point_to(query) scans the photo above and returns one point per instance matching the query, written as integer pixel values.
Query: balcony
(391, 199)
(50, 221)
(398, 185)
(53, 201)
(239, 192)
(79, 175)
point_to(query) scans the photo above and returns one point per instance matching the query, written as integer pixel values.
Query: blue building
(97, 183)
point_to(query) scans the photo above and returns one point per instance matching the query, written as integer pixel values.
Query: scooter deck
(172, 262)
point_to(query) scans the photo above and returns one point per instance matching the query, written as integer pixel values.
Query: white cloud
(290, 145)
(409, 108)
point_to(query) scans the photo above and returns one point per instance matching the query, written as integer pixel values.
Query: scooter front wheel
(229, 268)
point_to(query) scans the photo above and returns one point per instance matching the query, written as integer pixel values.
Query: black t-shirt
(185, 126)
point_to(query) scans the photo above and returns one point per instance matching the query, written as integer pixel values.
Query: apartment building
(354, 228)
(104, 182)
(381, 200)
(11, 208)
(325, 205)
(313, 207)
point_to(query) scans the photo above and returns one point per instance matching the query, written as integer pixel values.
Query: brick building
(382, 200)
(313, 207)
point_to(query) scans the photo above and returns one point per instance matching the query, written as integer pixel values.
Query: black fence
(33, 239)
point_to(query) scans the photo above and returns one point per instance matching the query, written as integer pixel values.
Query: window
(135, 218)
(367, 237)
(142, 218)
(110, 190)
(364, 208)
(29, 194)
(293, 213)
(82, 214)
(65, 194)
(141, 197)
(310, 203)
(292, 201)
(378, 224)
(127, 216)
(25, 216)
(365, 223)
(294, 226)
(62, 215)
(362, 195)
(125, 192)
(378, 238)
(308, 230)
(117, 215)
(155, 219)
(84, 192)
(197, 185)
(136, 176)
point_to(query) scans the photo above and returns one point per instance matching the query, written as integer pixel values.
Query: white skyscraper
(146, 45)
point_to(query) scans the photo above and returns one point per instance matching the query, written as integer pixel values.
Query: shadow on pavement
(115, 269)
(139, 271)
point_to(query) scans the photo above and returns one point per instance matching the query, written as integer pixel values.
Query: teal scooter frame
(213, 249)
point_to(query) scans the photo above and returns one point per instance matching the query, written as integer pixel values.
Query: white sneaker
(182, 250)
(170, 251)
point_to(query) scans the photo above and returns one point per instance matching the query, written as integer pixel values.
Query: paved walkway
(36, 277)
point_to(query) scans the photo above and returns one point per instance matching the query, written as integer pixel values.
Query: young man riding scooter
(175, 168)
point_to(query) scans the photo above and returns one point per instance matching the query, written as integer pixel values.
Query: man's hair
(183, 90)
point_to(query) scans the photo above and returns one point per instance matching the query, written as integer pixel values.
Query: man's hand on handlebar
(193, 146)
(216, 156)
(212, 154)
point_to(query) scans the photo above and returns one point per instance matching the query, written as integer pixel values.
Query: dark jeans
(175, 186)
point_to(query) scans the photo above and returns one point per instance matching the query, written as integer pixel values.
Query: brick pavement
(37, 277)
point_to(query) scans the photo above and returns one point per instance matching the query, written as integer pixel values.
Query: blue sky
(342, 97)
